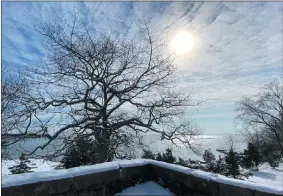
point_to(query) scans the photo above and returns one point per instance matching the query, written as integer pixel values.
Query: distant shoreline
(24, 136)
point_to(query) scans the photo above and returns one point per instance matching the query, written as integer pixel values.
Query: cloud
(238, 44)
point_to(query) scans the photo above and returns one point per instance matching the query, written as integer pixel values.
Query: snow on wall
(27, 178)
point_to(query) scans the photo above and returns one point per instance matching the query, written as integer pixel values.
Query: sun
(183, 42)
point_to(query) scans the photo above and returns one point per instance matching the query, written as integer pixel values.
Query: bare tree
(15, 118)
(230, 140)
(265, 113)
(112, 88)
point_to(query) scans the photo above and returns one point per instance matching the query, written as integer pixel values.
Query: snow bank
(147, 188)
(268, 176)
(19, 179)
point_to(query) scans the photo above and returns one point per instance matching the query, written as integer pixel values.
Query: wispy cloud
(238, 44)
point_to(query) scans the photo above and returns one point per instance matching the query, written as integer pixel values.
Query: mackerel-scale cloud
(238, 45)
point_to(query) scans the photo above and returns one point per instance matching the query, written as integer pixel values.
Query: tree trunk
(103, 147)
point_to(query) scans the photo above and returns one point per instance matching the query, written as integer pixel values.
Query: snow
(266, 180)
(225, 180)
(147, 188)
(28, 178)
(38, 164)
(268, 176)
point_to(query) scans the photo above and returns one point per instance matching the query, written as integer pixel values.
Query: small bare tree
(108, 87)
(265, 113)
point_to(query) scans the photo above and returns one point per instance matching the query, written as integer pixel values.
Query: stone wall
(115, 180)
(182, 184)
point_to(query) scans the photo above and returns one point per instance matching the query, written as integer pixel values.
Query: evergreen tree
(159, 157)
(232, 162)
(220, 166)
(164, 157)
(182, 162)
(82, 152)
(251, 156)
(210, 160)
(270, 155)
(246, 161)
(148, 154)
(168, 156)
(22, 167)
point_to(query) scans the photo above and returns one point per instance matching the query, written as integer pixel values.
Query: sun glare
(183, 42)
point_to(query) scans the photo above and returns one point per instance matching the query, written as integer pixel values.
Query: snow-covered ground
(268, 176)
(147, 188)
(38, 164)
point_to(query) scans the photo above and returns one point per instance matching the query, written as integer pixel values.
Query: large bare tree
(109, 87)
(264, 113)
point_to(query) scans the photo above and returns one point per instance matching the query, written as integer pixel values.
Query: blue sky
(238, 45)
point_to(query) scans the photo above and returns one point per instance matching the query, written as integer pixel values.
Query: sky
(238, 45)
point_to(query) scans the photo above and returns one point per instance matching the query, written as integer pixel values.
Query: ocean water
(28, 145)
(203, 142)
